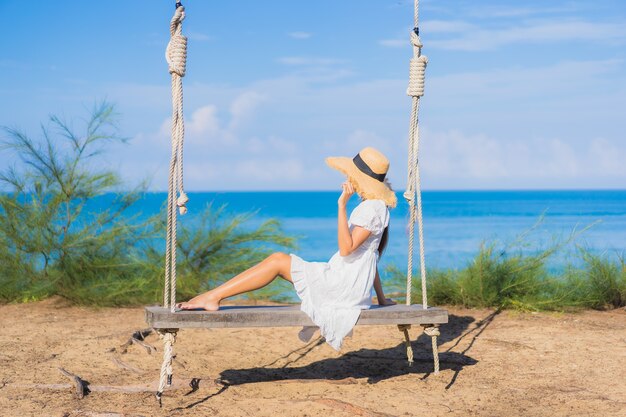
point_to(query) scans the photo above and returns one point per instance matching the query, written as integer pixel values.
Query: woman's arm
(380, 295)
(348, 242)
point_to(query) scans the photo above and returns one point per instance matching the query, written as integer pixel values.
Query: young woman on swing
(333, 293)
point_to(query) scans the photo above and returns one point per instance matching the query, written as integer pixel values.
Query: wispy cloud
(308, 61)
(300, 35)
(538, 31)
(431, 27)
(518, 12)
(394, 43)
(199, 37)
(453, 157)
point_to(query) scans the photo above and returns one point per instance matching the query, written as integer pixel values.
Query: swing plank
(281, 316)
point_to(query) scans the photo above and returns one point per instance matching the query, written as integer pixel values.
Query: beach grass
(496, 279)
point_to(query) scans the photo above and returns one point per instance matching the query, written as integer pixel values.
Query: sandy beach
(493, 364)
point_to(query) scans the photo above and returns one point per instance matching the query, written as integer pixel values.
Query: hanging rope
(176, 57)
(169, 337)
(417, 70)
(413, 194)
(404, 328)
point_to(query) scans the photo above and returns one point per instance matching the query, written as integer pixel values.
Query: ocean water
(456, 223)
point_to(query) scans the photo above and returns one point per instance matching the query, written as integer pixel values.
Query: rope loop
(430, 330)
(417, 74)
(409, 196)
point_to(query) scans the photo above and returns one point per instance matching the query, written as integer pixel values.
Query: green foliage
(218, 246)
(50, 244)
(497, 279)
(601, 283)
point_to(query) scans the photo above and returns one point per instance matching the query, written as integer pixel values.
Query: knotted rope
(407, 341)
(413, 194)
(433, 332)
(176, 57)
(415, 90)
(169, 337)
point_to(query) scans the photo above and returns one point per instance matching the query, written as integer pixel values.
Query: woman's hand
(347, 191)
(386, 302)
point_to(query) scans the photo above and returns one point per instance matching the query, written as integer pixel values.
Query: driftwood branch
(82, 387)
(138, 338)
(117, 361)
(177, 384)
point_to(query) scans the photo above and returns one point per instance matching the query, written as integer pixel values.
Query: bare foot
(207, 303)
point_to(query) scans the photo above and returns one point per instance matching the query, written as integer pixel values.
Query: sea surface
(456, 223)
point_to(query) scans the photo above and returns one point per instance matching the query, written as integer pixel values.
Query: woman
(333, 293)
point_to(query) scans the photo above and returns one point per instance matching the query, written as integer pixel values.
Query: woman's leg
(261, 274)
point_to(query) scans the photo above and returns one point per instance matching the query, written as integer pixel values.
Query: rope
(413, 193)
(169, 337)
(407, 341)
(417, 70)
(433, 332)
(176, 57)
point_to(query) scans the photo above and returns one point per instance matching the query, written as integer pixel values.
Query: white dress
(333, 293)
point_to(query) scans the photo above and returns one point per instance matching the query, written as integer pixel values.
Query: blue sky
(519, 95)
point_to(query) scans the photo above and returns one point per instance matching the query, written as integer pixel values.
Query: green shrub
(51, 245)
(601, 282)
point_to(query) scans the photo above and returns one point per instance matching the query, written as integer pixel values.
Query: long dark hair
(383, 242)
(385, 237)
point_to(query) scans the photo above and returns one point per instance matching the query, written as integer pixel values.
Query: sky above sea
(519, 95)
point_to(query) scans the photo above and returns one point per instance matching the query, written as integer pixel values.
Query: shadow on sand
(370, 364)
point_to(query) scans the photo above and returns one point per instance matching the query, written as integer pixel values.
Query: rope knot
(181, 202)
(409, 195)
(432, 331)
(415, 39)
(176, 54)
(417, 74)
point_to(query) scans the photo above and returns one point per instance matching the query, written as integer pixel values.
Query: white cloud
(243, 107)
(452, 158)
(519, 127)
(300, 35)
(203, 121)
(607, 158)
(538, 31)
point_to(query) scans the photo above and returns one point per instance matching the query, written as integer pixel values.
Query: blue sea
(456, 223)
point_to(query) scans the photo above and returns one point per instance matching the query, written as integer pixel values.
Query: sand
(506, 364)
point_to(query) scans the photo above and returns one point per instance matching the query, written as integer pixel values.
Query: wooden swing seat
(284, 316)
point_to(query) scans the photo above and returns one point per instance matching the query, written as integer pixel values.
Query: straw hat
(367, 171)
